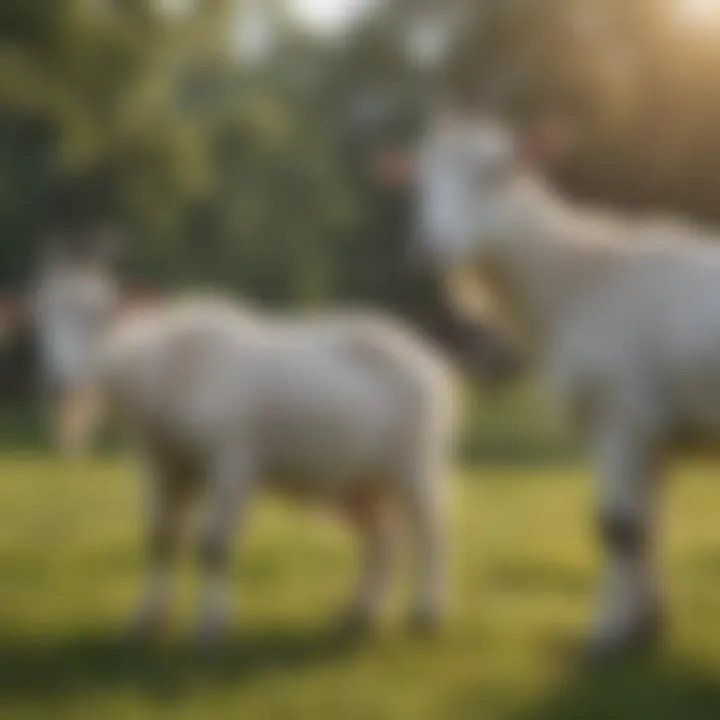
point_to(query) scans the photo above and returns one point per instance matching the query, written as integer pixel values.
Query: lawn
(524, 569)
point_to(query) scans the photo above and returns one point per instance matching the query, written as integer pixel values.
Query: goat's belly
(324, 456)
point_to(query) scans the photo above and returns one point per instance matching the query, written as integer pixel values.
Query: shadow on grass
(89, 664)
(653, 689)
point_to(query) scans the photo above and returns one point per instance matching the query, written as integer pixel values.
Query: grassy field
(524, 567)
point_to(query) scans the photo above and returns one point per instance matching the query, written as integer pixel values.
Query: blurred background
(235, 143)
(246, 146)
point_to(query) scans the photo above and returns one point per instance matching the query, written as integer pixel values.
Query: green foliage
(251, 174)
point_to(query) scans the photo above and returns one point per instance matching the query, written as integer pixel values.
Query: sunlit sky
(333, 14)
(700, 10)
(329, 15)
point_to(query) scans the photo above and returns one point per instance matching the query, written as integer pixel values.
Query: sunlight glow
(700, 10)
(329, 15)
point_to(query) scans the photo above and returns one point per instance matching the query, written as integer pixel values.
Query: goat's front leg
(229, 485)
(629, 614)
(424, 505)
(168, 500)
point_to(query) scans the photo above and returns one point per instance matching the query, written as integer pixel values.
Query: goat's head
(466, 169)
(75, 300)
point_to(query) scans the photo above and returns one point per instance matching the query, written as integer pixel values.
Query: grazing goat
(623, 318)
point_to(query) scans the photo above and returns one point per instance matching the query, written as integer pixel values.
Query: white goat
(624, 318)
(351, 410)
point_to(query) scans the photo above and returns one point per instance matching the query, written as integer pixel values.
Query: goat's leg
(167, 504)
(370, 516)
(228, 487)
(629, 614)
(424, 507)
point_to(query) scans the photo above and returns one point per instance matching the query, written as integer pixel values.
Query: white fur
(623, 317)
(348, 409)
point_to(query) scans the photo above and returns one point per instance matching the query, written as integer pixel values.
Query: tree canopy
(249, 170)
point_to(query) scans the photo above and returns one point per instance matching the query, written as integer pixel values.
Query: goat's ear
(393, 168)
(544, 141)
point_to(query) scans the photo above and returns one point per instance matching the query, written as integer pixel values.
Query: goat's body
(627, 312)
(289, 391)
(612, 309)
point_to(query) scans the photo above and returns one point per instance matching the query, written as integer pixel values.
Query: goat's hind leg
(370, 515)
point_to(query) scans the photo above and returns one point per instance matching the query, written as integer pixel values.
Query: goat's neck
(545, 263)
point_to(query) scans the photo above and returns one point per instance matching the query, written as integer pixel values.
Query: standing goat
(347, 409)
(624, 319)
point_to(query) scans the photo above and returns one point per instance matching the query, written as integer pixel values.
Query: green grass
(524, 569)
